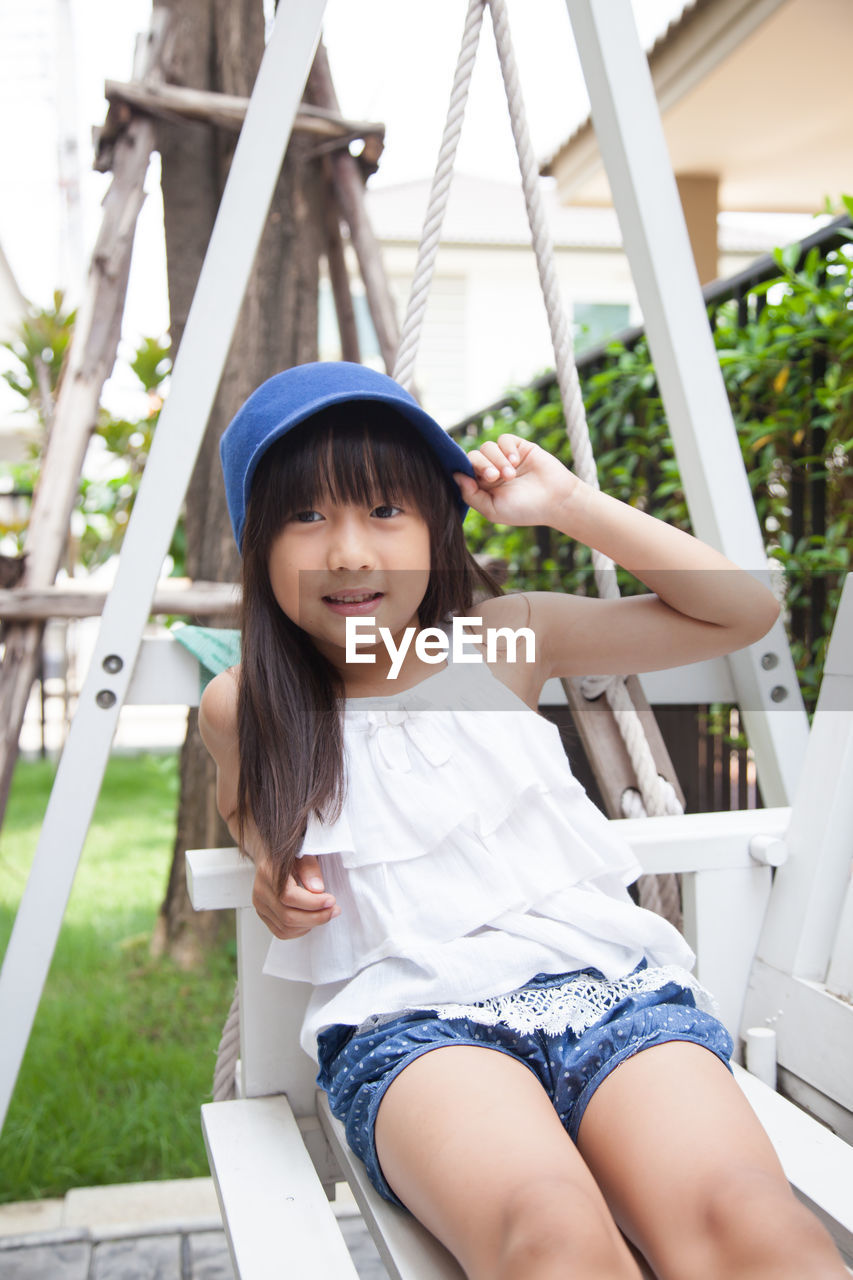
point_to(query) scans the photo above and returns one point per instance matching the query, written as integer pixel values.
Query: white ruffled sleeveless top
(467, 859)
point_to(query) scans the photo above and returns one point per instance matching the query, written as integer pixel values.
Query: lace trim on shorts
(575, 1005)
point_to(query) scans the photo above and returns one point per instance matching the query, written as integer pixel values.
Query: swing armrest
(219, 879)
(277, 1217)
(703, 841)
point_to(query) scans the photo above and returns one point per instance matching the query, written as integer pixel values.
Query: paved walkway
(141, 1231)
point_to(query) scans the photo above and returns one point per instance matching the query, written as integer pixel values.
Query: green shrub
(789, 375)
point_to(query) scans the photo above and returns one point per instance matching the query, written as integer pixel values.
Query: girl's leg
(692, 1178)
(469, 1141)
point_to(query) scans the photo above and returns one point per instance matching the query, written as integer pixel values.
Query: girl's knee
(752, 1220)
(547, 1225)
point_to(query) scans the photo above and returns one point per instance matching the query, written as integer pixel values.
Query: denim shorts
(357, 1066)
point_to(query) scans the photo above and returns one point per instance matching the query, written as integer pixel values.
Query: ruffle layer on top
(578, 929)
(422, 771)
(462, 819)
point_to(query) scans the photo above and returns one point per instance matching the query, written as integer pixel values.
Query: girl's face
(350, 559)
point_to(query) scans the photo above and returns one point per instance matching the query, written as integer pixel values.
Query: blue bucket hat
(288, 398)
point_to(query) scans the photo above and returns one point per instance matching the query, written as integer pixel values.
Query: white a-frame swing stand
(798, 958)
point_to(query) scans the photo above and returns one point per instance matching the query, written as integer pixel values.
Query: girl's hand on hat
(515, 481)
(302, 904)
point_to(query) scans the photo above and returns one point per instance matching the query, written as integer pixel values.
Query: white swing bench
(276, 1153)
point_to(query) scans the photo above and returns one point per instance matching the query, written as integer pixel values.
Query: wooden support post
(225, 110)
(173, 595)
(605, 749)
(611, 766)
(92, 355)
(349, 189)
(338, 274)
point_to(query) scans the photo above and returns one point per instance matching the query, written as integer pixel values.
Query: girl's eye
(386, 511)
(307, 517)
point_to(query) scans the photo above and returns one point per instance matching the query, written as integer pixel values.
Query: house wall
(486, 328)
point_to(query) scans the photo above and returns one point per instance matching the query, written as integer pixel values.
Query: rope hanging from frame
(656, 794)
(228, 1054)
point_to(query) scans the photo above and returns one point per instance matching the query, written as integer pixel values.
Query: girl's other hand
(516, 482)
(301, 906)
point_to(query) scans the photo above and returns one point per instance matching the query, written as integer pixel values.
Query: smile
(353, 602)
(353, 597)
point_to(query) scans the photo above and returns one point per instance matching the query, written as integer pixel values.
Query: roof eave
(690, 48)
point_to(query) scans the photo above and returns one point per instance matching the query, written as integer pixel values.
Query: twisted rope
(561, 336)
(404, 365)
(225, 1072)
(655, 798)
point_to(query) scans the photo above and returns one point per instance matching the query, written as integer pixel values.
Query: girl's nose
(351, 547)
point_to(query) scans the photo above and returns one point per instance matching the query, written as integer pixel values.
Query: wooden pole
(349, 189)
(173, 595)
(338, 274)
(90, 361)
(225, 110)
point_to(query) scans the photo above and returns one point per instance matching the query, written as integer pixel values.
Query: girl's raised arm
(702, 604)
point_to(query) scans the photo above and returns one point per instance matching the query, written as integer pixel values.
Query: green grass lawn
(123, 1048)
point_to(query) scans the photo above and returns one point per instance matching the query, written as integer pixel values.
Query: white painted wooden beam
(632, 144)
(195, 380)
(699, 682)
(710, 37)
(839, 978)
(809, 892)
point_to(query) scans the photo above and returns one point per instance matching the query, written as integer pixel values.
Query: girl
(426, 860)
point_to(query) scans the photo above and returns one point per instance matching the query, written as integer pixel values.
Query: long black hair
(290, 700)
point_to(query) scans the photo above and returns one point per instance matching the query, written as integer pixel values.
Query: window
(328, 338)
(596, 321)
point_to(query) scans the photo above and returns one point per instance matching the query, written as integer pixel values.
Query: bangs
(358, 454)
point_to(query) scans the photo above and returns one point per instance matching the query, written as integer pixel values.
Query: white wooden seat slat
(277, 1217)
(817, 1163)
(408, 1250)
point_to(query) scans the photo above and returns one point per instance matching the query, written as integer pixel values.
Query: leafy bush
(788, 370)
(107, 492)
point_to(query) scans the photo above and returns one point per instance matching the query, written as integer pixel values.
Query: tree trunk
(217, 45)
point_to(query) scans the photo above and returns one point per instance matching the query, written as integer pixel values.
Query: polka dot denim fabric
(356, 1067)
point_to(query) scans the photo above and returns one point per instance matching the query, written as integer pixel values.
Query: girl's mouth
(353, 603)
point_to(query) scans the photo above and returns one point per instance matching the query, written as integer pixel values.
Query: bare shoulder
(505, 611)
(217, 712)
(512, 613)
